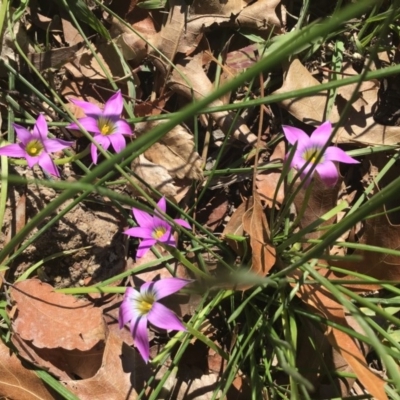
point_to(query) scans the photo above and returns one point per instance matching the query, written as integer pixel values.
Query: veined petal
(13, 150)
(168, 286)
(158, 222)
(126, 311)
(139, 333)
(114, 105)
(40, 129)
(183, 223)
(89, 108)
(328, 172)
(321, 135)
(144, 219)
(123, 127)
(117, 142)
(164, 318)
(22, 134)
(45, 161)
(144, 247)
(294, 135)
(140, 232)
(52, 145)
(89, 123)
(335, 154)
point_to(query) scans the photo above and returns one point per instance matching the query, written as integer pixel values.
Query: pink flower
(35, 146)
(309, 149)
(138, 308)
(106, 125)
(153, 229)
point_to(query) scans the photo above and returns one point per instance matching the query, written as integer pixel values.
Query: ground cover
(199, 199)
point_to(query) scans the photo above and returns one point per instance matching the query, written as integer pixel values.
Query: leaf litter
(76, 340)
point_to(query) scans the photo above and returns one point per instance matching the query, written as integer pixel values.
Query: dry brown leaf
(322, 199)
(154, 175)
(196, 84)
(267, 181)
(360, 125)
(85, 64)
(256, 225)
(121, 376)
(174, 151)
(235, 227)
(17, 381)
(56, 331)
(322, 301)
(51, 319)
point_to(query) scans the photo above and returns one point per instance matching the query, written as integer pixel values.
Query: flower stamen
(159, 232)
(34, 148)
(106, 127)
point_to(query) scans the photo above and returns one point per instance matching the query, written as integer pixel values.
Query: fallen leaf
(197, 85)
(320, 300)
(18, 381)
(359, 126)
(256, 225)
(56, 331)
(267, 181)
(235, 227)
(174, 151)
(122, 375)
(154, 175)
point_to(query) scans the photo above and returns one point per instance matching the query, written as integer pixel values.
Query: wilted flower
(309, 150)
(153, 229)
(138, 308)
(106, 125)
(35, 146)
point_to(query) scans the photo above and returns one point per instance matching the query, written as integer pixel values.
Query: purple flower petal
(93, 152)
(144, 219)
(52, 145)
(103, 141)
(139, 232)
(321, 135)
(183, 223)
(89, 123)
(45, 161)
(114, 105)
(164, 318)
(123, 127)
(40, 129)
(23, 134)
(160, 222)
(168, 239)
(162, 204)
(168, 286)
(13, 150)
(89, 108)
(144, 247)
(126, 311)
(117, 142)
(139, 333)
(294, 135)
(335, 154)
(328, 172)
(31, 160)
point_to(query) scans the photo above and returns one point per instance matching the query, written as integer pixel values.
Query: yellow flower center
(34, 148)
(145, 307)
(311, 155)
(145, 303)
(159, 232)
(106, 126)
